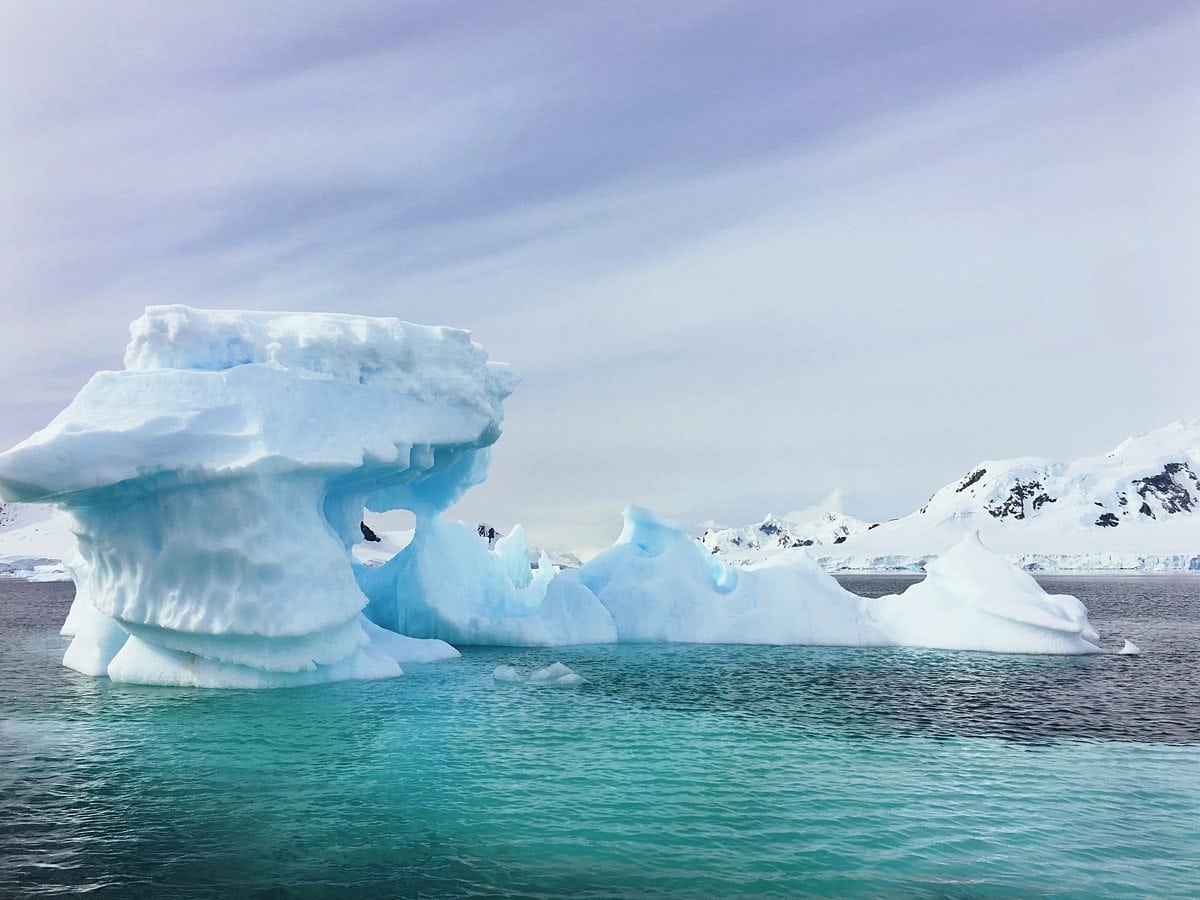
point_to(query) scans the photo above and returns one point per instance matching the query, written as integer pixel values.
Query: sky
(743, 255)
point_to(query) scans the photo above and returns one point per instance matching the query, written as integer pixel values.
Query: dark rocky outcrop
(1169, 487)
(970, 479)
(1013, 506)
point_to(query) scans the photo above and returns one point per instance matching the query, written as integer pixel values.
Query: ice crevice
(217, 483)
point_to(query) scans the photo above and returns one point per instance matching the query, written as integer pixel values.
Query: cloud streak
(743, 255)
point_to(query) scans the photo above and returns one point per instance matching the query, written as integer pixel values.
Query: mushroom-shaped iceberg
(217, 482)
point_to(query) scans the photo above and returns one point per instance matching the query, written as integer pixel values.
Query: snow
(816, 526)
(217, 483)
(34, 541)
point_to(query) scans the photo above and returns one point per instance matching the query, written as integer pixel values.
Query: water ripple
(676, 771)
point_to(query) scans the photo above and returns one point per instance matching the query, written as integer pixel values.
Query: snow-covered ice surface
(217, 483)
(972, 599)
(661, 585)
(216, 488)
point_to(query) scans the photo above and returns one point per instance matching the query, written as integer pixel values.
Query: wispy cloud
(743, 254)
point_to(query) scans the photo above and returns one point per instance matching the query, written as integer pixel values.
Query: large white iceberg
(217, 485)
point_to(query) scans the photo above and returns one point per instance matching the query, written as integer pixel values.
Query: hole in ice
(384, 535)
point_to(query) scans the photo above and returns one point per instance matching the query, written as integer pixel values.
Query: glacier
(216, 486)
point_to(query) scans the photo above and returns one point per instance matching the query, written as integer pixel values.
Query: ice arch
(216, 483)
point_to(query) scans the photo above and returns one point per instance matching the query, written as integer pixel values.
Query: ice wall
(216, 483)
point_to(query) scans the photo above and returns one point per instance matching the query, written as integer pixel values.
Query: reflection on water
(677, 770)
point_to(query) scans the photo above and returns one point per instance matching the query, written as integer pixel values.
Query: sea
(673, 771)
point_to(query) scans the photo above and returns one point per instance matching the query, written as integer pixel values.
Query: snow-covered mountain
(1134, 508)
(808, 528)
(34, 540)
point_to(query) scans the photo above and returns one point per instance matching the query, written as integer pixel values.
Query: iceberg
(216, 488)
(216, 484)
(1129, 648)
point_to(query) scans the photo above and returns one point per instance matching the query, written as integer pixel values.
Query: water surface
(676, 771)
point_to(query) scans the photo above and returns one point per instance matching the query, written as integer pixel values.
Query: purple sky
(742, 254)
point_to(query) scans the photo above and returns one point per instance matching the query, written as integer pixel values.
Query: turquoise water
(676, 771)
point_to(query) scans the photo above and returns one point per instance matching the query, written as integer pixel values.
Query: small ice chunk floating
(555, 674)
(217, 483)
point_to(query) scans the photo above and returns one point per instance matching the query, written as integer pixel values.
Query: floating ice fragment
(507, 675)
(554, 674)
(1130, 649)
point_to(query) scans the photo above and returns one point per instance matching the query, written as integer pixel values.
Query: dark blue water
(676, 771)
